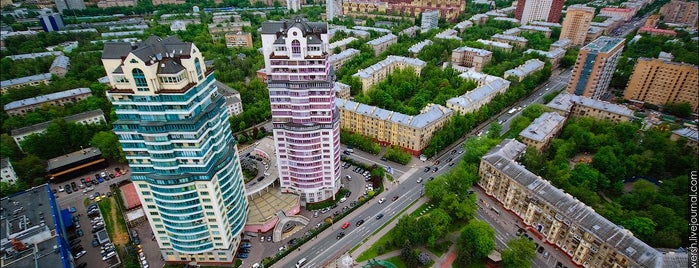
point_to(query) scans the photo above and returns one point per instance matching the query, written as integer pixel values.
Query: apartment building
(306, 124)
(339, 59)
(410, 31)
(183, 159)
(652, 21)
(539, 10)
(595, 66)
(238, 39)
(546, 24)
(609, 25)
(532, 29)
(462, 26)
(382, 43)
(358, 33)
(116, 3)
(656, 31)
(448, 9)
(234, 105)
(593, 33)
(661, 82)
(430, 20)
(624, 13)
(22, 107)
(577, 23)
(479, 19)
(168, 2)
(333, 9)
(69, 4)
(448, 34)
(561, 43)
(681, 12)
(471, 57)
(554, 56)
(573, 227)
(526, 69)
(86, 118)
(7, 172)
(342, 44)
(572, 105)
(540, 132)
(32, 80)
(226, 16)
(474, 99)
(416, 48)
(412, 133)
(52, 22)
(496, 45)
(220, 29)
(342, 91)
(379, 71)
(60, 66)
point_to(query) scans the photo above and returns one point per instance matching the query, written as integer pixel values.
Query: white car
(419, 180)
(342, 200)
(60, 188)
(382, 200)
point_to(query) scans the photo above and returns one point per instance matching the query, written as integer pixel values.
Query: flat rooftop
(73, 157)
(604, 44)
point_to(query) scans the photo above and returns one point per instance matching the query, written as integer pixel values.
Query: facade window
(140, 78)
(296, 48)
(197, 66)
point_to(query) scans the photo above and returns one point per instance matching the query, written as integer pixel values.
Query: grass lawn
(440, 248)
(397, 262)
(114, 223)
(424, 206)
(373, 251)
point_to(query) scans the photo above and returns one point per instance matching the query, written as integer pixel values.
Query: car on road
(435, 169)
(427, 169)
(340, 235)
(262, 238)
(451, 164)
(395, 198)
(382, 200)
(419, 180)
(315, 215)
(342, 200)
(378, 217)
(359, 223)
(430, 178)
(345, 225)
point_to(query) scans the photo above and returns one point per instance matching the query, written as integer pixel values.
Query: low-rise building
(430, 20)
(448, 34)
(691, 134)
(471, 74)
(554, 56)
(60, 66)
(382, 43)
(168, 2)
(379, 71)
(496, 45)
(22, 107)
(7, 172)
(342, 44)
(35, 55)
(545, 24)
(123, 33)
(512, 31)
(561, 43)
(238, 39)
(32, 80)
(412, 133)
(220, 29)
(540, 132)
(375, 29)
(416, 48)
(532, 29)
(479, 19)
(609, 25)
(471, 57)
(116, 3)
(410, 31)
(34, 230)
(462, 26)
(234, 105)
(512, 40)
(359, 33)
(525, 69)
(342, 91)
(656, 31)
(226, 16)
(86, 118)
(573, 105)
(557, 217)
(474, 99)
(512, 20)
(339, 59)
(593, 33)
(624, 13)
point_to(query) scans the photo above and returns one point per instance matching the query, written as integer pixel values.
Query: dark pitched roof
(116, 50)
(299, 22)
(169, 66)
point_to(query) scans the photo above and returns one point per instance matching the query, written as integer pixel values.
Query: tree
(109, 145)
(520, 253)
(476, 241)
(682, 109)
(408, 255)
(8, 147)
(494, 130)
(640, 226)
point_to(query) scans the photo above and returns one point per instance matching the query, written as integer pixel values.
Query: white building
(474, 99)
(430, 20)
(7, 172)
(306, 125)
(525, 69)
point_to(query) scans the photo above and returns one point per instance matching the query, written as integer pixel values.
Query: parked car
(60, 188)
(242, 256)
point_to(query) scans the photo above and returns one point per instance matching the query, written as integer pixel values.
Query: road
(630, 26)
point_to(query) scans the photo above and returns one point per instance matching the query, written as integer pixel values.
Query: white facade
(306, 124)
(7, 172)
(430, 20)
(536, 10)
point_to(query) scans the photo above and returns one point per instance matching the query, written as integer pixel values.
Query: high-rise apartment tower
(173, 127)
(306, 124)
(577, 23)
(595, 66)
(661, 82)
(538, 10)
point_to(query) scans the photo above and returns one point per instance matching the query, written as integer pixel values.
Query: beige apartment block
(339, 59)
(474, 99)
(116, 3)
(589, 239)
(22, 107)
(568, 104)
(379, 71)
(382, 43)
(238, 39)
(661, 82)
(471, 57)
(342, 91)
(448, 9)
(540, 132)
(412, 133)
(681, 12)
(595, 66)
(577, 23)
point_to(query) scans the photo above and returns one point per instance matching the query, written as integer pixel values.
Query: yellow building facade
(660, 82)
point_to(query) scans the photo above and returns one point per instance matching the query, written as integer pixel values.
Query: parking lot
(74, 200)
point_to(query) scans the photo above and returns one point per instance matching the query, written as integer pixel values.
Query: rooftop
(342, 42)
(513, 20)
(225, 90)
(503, 157)
(416, 48)
(509, 37)
(689, 133)
(561, 42)
(369, 71)
(73, 157)
(527, 68)
(474, 96)
(551, 54)
(44, 125)
(60, 62)
(535, 28)
(31, 217)
(47, 98)
(24, 80)
(480, 52)
(495, 44)
(543, 126)
(35, 55)
(375, 29)
(545, 24)
(464, 24)
(131, 200)
(565, 101)
(382, 39)
(344, 54)
(427, 116)
(604, 44)
(448, 34)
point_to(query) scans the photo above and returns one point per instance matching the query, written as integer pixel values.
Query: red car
(346, 225)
